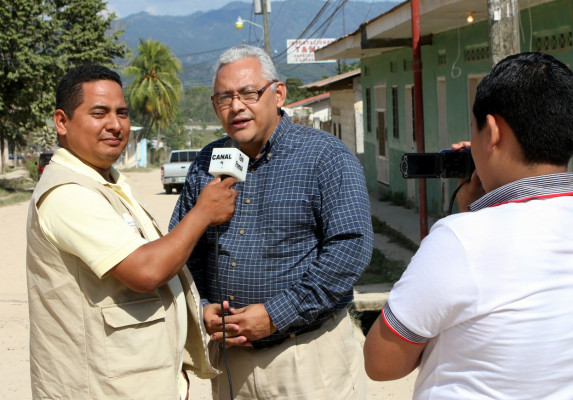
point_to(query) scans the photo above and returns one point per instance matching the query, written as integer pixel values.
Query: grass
(13, 191)
(381, 270)
(395, 236)
(396, 198)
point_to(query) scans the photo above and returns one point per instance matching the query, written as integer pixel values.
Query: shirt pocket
(136, 338)
(288, 223)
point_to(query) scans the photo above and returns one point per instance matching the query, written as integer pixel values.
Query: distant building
(313, 111)
(135, 153)
(345, 108)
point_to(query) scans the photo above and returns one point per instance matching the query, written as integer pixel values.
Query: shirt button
(233, 264)
(242, 231)
(248, 201)
(231, 298)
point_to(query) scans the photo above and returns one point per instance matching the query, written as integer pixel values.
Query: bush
(31, 165)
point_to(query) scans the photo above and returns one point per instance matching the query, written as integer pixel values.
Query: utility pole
(266, 27)
(419, 112)
(503, 18)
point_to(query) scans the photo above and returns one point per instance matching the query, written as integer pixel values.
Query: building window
(395, 121)
(381, 133)
(368, 110)
(413, 114)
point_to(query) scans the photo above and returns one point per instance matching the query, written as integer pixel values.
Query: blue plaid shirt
(301, 234)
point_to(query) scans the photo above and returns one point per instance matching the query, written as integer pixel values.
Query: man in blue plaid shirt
(300, 238)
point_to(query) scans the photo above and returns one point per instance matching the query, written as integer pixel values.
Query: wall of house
(451, 68)
(320, 114)
(358, 117)
(342, 111)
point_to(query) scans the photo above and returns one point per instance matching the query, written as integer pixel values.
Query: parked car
(43, 160)
(174, 172)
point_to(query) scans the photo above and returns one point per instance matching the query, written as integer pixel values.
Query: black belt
(261, 344)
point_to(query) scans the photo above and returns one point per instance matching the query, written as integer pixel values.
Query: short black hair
(533, 92)
(69, 94)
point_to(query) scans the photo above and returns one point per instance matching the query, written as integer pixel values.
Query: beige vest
(94, 338)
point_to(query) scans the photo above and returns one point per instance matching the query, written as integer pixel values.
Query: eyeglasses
(244, 96)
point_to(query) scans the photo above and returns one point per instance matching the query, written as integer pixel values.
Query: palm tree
(155, 90)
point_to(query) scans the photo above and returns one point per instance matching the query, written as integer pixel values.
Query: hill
(199, 38)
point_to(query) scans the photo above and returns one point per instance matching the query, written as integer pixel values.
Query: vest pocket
(136, 338)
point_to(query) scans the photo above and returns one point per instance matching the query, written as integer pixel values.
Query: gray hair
(238, 53)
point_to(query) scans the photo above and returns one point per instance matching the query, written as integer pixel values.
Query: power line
(325, 24)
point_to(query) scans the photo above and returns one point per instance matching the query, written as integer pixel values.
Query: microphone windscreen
(229, 161)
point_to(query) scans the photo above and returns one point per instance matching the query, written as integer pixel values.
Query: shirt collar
(65, 158)
(525, 189)
(271, 147)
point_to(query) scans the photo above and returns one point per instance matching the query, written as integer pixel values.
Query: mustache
(244, 115)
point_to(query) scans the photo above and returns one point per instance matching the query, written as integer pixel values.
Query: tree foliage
(153, 95)
(196, 105)
(39, 42)
(294, 92)
(345, 67)
(176, 135)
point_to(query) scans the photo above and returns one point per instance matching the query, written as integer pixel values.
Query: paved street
(14, 322)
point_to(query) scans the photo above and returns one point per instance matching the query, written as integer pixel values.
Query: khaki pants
(323, 364)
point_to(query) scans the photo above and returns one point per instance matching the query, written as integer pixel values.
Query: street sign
(301, 51)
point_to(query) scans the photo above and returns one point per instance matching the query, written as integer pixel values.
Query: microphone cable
(231, 143)
(222, 311)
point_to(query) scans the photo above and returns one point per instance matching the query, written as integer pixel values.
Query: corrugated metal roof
(333, 79)
(308, 101)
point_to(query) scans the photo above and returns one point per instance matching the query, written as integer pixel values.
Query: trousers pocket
(136, 338)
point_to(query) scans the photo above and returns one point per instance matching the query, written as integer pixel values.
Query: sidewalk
(14, 173)
(404, 220)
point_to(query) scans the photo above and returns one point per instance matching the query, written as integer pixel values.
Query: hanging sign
(301, 51)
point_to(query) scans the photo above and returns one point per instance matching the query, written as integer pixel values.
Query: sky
(123, 8)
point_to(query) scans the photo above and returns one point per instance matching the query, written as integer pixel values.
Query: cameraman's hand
(217, 200)
(461, 145)
(472, 188)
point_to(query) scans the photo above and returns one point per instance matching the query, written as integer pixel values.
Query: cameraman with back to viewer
(485, 305)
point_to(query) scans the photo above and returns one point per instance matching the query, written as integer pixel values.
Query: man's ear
(493, 130)
(61, 120)
(280, 94)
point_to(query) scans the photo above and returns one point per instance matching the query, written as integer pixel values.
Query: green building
(455, 57)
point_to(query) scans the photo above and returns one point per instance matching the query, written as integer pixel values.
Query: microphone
(229, 161)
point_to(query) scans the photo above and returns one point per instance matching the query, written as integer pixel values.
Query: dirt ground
(14, 321)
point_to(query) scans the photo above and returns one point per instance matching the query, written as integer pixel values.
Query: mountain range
(199, 38)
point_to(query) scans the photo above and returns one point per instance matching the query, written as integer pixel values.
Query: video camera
(445, 164)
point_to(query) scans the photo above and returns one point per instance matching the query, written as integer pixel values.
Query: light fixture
(470, 18)
(239, 24)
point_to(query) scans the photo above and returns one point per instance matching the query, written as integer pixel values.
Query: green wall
(455, 56)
